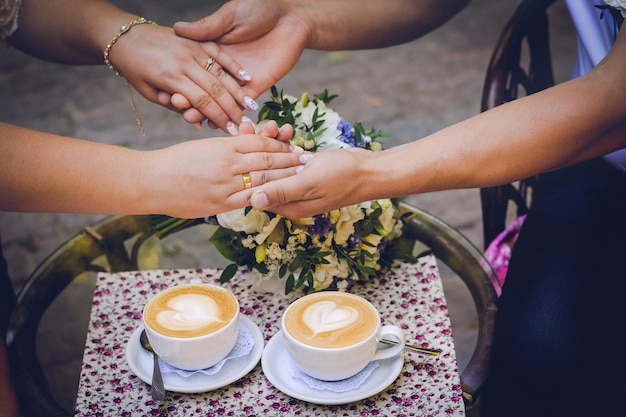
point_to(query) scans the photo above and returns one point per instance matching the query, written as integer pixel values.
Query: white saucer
(141, 363)
(273, 363)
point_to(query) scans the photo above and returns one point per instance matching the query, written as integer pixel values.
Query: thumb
(276, 193)
(209, 28)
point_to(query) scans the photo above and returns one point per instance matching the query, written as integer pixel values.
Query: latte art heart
(330, 319)
(327, 316)
(189, 311)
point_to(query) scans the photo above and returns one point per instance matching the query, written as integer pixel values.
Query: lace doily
(243, 346)
(344, 385)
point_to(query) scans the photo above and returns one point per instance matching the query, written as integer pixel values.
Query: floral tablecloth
(411, 296)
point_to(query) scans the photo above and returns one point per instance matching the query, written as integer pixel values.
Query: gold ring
(247, 181)
(209, 63)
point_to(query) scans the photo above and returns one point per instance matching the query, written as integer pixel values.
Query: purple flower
(321, 226)
(347, 133)
(354, 240)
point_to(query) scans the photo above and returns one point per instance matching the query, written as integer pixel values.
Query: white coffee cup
(333, 335)
(192, 326)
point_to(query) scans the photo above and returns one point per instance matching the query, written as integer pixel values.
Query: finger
(193, 116)
(261, 161)
(250, 144)
(276, 193)
(216, 95)
(260, 177)
(165, 99)
(227, 62)
(179, 101)
(246, 128)
(209, 27)
(285, 133)
(269, 129)
(215, 68)
(213, 102)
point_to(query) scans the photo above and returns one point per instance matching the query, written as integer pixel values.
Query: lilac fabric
(595, 38)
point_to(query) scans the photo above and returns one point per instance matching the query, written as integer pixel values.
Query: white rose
(387, 218)
(268, 228)
(325, 273)
(344, 227)
(237, 220)
(373, 240)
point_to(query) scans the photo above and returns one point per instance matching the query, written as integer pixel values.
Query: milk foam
(188, 312)
(327, 316)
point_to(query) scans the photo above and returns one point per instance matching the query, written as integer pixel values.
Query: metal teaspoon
(157, 388)
(427, 351)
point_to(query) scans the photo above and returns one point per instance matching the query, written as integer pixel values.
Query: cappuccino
(190, 310)
(333, 335)
(331, 319)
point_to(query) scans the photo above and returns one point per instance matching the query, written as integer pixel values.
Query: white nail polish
(299, 169)
(305, 158)
(295, 149)
(245, 75)
(252, 105)
(246, 119)
(232, 129)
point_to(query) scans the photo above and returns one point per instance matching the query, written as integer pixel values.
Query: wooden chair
(113, 245)
(526, 35)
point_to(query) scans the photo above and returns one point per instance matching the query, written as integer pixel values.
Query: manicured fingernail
(252, 105)
(245, 75)
(198, 126)
(232, 129)
(246, 119)
(260, 201)
(295, 149)
(305, 158)
(299, 169)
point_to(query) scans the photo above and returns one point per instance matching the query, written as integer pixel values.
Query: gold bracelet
(122, 31)
(107, 61)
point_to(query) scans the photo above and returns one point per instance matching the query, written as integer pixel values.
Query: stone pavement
(408, 91)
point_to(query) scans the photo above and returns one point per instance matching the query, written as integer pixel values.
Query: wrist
(123, 30)
(298, 16)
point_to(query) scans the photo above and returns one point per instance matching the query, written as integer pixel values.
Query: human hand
(158, 63)
(316, 189)
(258, 33)
(203, 177)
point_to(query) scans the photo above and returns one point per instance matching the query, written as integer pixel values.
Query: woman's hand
(203, 177)
(158, 64)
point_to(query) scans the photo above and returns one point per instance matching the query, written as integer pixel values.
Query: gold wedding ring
(247, 181)
(209, 64)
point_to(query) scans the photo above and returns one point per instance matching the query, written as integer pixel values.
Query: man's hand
(259, 34)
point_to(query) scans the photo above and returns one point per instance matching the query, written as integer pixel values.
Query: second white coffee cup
(333, 335)
(192, 326)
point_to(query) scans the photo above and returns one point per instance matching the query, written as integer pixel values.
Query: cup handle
(398, 334)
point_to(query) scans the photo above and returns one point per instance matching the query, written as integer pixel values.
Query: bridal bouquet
(334, 249)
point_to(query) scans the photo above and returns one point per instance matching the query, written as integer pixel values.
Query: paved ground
(408, 91)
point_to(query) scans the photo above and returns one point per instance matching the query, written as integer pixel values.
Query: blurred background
(408, 91)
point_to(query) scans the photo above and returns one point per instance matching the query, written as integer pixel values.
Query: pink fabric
(498, 253)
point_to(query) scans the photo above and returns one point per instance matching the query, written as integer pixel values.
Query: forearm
(43, 172)
(68, 31)
(358, 24)
(526, 137)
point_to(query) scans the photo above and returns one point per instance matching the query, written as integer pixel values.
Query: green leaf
(227, 243)
(228, 273)
(289, 284)
(295, 264)
(283, 270)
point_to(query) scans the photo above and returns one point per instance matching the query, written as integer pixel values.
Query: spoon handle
(427, 351)
(157, 389)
